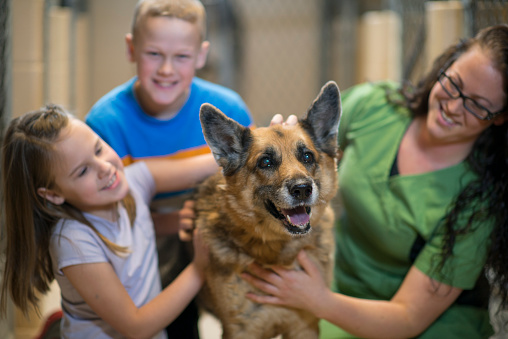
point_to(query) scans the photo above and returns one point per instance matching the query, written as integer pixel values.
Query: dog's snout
(301, 192)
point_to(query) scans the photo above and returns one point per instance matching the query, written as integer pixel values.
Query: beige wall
(110, 20)
(27, 55)
(98, 63)
(379, 47)
(281, 57)
(444, 27)
(58, 85)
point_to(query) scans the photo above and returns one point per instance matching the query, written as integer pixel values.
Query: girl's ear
(50, 195)
(203, 54)
(130, 47)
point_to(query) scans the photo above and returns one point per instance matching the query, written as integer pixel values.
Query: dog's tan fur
(288, 166)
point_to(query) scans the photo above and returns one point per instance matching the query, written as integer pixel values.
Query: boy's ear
(203, 54)
(50, 195)
(130, 47)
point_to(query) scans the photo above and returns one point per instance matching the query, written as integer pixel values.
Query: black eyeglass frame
(490, 115)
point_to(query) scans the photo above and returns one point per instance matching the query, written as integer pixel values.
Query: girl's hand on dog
(186, 222)
(201, 252)
(304, 289)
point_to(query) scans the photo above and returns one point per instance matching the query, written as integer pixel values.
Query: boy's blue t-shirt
(120, 121)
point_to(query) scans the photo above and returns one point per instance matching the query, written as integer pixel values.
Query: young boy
(156, 114)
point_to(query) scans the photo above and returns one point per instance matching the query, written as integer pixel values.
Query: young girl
(73, 213)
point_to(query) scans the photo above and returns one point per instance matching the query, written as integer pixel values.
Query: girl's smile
(113, 182)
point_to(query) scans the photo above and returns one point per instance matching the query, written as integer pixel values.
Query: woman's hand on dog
(304, 289)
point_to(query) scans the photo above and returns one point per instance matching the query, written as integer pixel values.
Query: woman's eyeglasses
(470, 104)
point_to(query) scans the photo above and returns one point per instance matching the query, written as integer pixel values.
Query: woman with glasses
(424, 185)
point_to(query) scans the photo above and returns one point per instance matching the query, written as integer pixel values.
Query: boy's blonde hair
(191, 11)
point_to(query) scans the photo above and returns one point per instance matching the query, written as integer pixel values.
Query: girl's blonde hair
(28, 154)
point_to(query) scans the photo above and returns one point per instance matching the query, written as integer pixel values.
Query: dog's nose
(301, 192)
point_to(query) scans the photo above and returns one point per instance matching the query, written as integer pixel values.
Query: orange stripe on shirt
(128, 160)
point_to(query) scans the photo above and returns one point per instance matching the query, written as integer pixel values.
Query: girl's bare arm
(181, 174)
(102, 290)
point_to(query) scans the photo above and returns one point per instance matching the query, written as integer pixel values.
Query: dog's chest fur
(270, 201)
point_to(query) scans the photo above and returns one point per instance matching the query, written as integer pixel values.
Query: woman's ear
(500, 119)
(50, 195)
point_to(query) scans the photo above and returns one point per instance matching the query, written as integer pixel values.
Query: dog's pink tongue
(297, 216)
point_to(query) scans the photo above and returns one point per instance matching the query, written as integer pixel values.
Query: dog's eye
(265, 162)
(308, 158)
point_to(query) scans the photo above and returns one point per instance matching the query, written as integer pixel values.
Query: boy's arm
(181, 174)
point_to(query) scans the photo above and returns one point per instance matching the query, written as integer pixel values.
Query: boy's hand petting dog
(186, 224)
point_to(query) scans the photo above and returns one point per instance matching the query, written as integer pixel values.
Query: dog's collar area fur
(295, 220)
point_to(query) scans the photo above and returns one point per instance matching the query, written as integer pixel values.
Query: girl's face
(88, 174)
(167, 52)
(448, 120)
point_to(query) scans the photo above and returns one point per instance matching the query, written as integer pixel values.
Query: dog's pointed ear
(323, 117)
(227, 139)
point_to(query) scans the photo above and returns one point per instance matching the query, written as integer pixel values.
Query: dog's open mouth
(295, 220)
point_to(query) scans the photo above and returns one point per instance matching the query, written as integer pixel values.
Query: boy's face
(167, 52)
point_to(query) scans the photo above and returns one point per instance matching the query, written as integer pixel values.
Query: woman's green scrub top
(390, 222)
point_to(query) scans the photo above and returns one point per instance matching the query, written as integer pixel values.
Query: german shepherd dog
(271, 200)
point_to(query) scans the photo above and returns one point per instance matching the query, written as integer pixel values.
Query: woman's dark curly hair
(485, 199)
